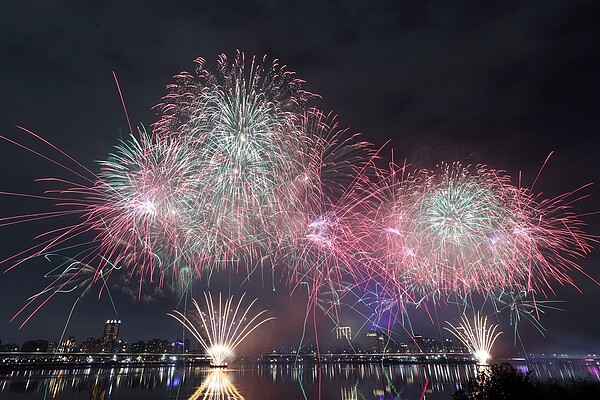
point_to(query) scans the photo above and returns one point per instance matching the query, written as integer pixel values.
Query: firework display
(241, 124)
(317, 242)
(241, 169)
(223, 325)
(467, 229)
(479, 337)
(238, 169)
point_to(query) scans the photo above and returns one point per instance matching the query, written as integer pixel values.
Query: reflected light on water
(217, 386)
(348, 393)
(594, 371)
(265, 381)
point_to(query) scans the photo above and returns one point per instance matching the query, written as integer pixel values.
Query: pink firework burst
(461, 230)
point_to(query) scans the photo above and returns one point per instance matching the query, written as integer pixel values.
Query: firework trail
(70, 276)
(478, 337)
(223, 325)
(439, 226)
(71, 240)
(524, 306)
(150, 211)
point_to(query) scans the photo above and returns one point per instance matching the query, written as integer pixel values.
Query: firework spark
(478, 337)
(223, 326)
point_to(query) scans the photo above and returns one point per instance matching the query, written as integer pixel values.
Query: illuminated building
(111, 334)
(343, 333)
(111, 330)
(373, 341)
(343, 336)
(377, 341)
(67, 345)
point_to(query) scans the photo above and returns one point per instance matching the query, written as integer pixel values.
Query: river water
(265, 381)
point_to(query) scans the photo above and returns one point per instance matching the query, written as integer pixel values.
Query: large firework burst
(240, 122)
(461, 230)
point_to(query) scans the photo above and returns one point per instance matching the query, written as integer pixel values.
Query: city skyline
(504, 87)
(374, 341)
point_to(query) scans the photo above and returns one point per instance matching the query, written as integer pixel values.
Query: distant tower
(111, 334)
(373, 340)
(343, 333)
(67, 345)
(343, 336)
(111, 330)
(377, 341)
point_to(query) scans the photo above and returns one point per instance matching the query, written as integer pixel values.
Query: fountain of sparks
(478, 337)
(223, 326)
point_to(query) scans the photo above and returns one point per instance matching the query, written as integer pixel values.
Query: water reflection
(374, 381)
(264, 381)
(217, 386)
(92, 383)
(562, 369)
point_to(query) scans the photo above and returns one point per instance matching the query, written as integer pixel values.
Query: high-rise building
(343, 336)
(111, 334)
(343, 333)
(67, 345)
(111, 330)
(378, 341)
(373, 340)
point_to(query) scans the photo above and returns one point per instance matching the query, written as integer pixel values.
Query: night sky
(503, 85)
